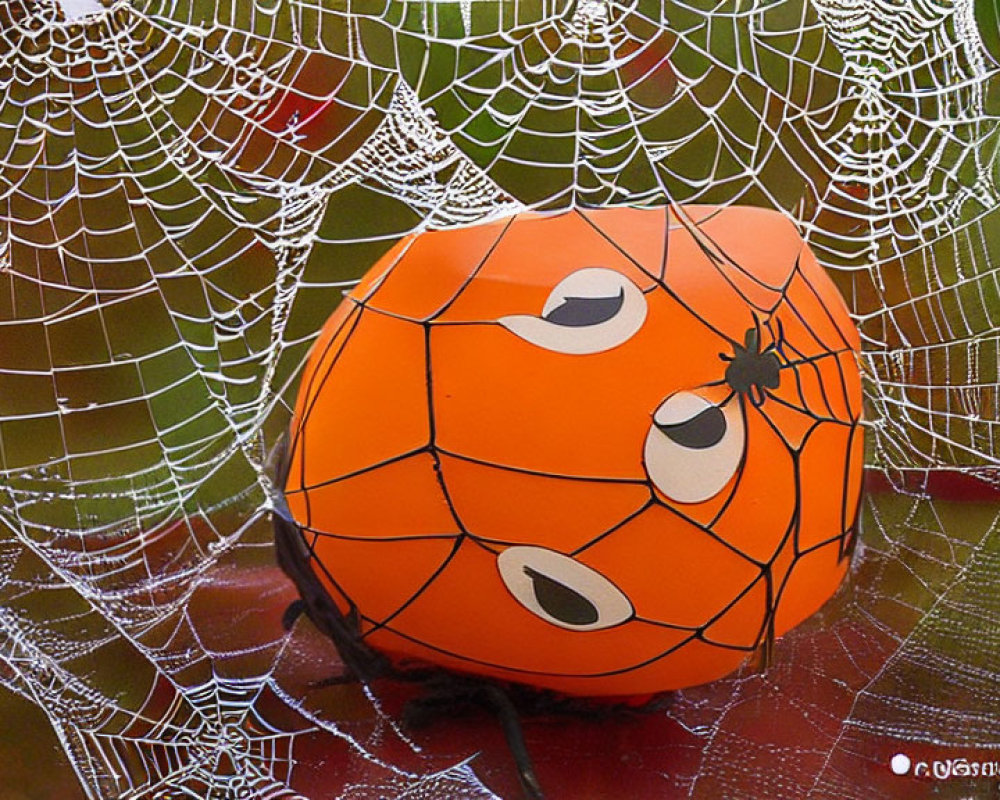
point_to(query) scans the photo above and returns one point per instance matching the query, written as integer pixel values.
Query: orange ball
(601, 452)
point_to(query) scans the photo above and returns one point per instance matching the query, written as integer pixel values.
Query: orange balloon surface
(603, 452)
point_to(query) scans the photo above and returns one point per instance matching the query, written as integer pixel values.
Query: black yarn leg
(510, 721)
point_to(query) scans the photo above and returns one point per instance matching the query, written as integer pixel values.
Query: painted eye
(694, 447)
(561, 590)
(589, 311)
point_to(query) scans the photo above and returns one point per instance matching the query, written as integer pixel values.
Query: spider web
(186, 188)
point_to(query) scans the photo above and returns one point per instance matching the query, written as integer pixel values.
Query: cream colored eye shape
(589, 311)
(693, 448)
(561, 590)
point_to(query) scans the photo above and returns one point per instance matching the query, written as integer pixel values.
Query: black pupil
(560, 601)
(703, 430)
(579, 312)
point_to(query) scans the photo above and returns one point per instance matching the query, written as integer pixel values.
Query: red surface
(949, 485)
(793, 727)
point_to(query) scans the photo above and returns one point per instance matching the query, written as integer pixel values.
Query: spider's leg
(442, 695)
(727, 399)
(295, 610)
(779, 339)
(753, 344)
(511, 724)
(777, 344)
(446, 694)
(293, 557)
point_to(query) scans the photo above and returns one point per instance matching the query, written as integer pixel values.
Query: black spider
(752, 370)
